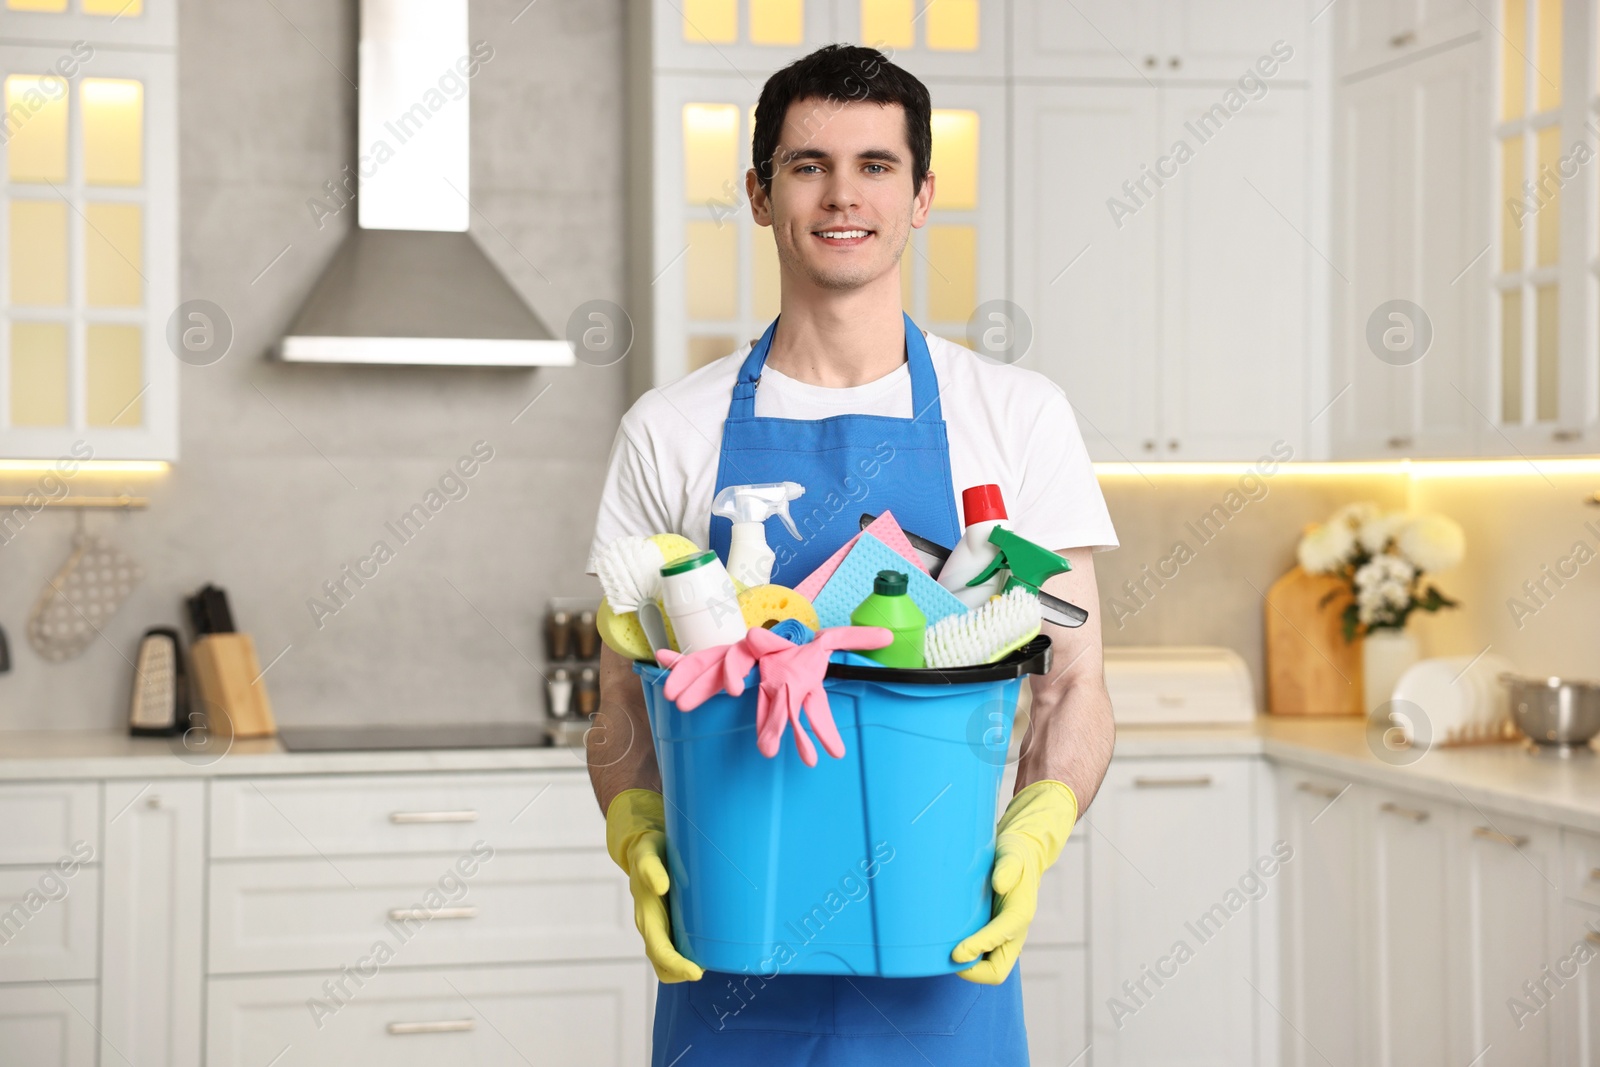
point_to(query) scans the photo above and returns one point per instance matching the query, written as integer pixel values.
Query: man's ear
(760, 199)
(922, 203)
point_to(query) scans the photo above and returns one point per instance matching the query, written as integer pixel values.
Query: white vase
(1385, 655)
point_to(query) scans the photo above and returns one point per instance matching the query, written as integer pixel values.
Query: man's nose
(843, 192)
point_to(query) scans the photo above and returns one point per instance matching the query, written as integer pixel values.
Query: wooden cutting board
(1311, 669)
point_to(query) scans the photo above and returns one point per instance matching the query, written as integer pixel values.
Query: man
(848, 386)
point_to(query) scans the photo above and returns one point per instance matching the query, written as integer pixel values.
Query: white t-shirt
(1005, 425)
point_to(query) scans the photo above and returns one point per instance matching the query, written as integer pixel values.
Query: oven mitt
(636, 837)
(1030, 836)
(81, 598)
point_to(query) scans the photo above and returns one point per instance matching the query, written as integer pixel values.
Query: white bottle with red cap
(984, 510)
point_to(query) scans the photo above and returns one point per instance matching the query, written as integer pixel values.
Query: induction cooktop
(379, 738)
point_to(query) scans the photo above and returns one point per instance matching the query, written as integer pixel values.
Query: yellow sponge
(624, 634)
(768, 605)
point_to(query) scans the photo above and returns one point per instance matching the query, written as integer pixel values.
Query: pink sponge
(885, 529)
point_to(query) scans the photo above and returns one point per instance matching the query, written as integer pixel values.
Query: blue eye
(876, 168)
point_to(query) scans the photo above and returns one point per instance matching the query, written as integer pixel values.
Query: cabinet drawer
(354, 815)
(44, 821)
(48, 1026)
(303, 915)
(1580, 866)
(591, 1014)
(48, 923)
(1059, 920)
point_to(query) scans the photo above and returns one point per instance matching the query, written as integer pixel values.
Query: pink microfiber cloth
(885, 529)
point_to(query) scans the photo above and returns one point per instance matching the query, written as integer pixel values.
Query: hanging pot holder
(81, 598)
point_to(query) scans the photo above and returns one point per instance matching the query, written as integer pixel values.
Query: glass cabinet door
(87, 273)
(732, 36)
(103, 23)
(962, 37)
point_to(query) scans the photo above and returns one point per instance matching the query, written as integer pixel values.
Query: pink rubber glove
(791, 684)
(699, 676)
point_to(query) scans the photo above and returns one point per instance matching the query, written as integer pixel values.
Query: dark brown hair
(840, 74)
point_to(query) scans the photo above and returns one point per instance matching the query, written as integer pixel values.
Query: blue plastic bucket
(874, 864)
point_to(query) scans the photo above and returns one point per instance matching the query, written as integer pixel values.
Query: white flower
(1374, 534)
(1432, 542)
(1325, 548)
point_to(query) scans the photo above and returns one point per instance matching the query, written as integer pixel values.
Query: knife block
(228, 680)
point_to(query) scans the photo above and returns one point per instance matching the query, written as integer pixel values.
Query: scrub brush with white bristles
(629, 570)
(986, 634)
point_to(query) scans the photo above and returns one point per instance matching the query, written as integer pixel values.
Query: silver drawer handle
(404, 817)
(1488, 834)
(1197, 781)
(439, 1026)
(1405, 813)
(465, 912)
(1320, 791)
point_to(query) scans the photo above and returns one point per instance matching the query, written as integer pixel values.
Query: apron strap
(924, 383)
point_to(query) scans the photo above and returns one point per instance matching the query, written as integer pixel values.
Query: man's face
(841, 204)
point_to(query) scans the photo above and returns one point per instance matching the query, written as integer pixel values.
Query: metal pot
(1557, 715)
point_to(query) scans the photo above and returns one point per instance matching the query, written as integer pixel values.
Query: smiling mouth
(843, 237)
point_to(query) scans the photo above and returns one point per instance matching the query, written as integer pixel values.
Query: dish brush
(986, 634)
(629, 570)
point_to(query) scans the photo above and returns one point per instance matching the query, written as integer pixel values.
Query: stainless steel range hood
(409, 284)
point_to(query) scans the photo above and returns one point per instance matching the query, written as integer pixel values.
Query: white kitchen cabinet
(1575, 998)
(1506, 872)
(1374, 32)
(49, 821)
(1411, 225)
(1173, 315)
(1235, 276)
(1086, 281)
(503, 907)
(1151, 40)
(571, 1014)
(1408, 935)
(1173, 891)
(48, 1025)
(1320, 818)
(89, 245)
(318, 815)
(49, 923)
(152, 925)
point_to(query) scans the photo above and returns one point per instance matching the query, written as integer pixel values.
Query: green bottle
(891, 608)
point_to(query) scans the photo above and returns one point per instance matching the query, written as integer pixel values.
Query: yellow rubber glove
(636, 837)
(1028, 840)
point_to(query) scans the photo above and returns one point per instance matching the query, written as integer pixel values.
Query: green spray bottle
(889, 606)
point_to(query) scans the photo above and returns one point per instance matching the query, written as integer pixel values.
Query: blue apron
(849, 464)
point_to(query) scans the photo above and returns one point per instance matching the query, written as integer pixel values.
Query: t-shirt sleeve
(1060, 504)
(630, 501)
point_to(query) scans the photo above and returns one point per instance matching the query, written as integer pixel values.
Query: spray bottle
(750, 559)
(1030, 565)
(985, 511)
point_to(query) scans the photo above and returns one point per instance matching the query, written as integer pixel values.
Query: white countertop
(1504, 777)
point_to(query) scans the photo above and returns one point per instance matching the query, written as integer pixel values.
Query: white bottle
(699, 598)
(750, 558)
(984, 510)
